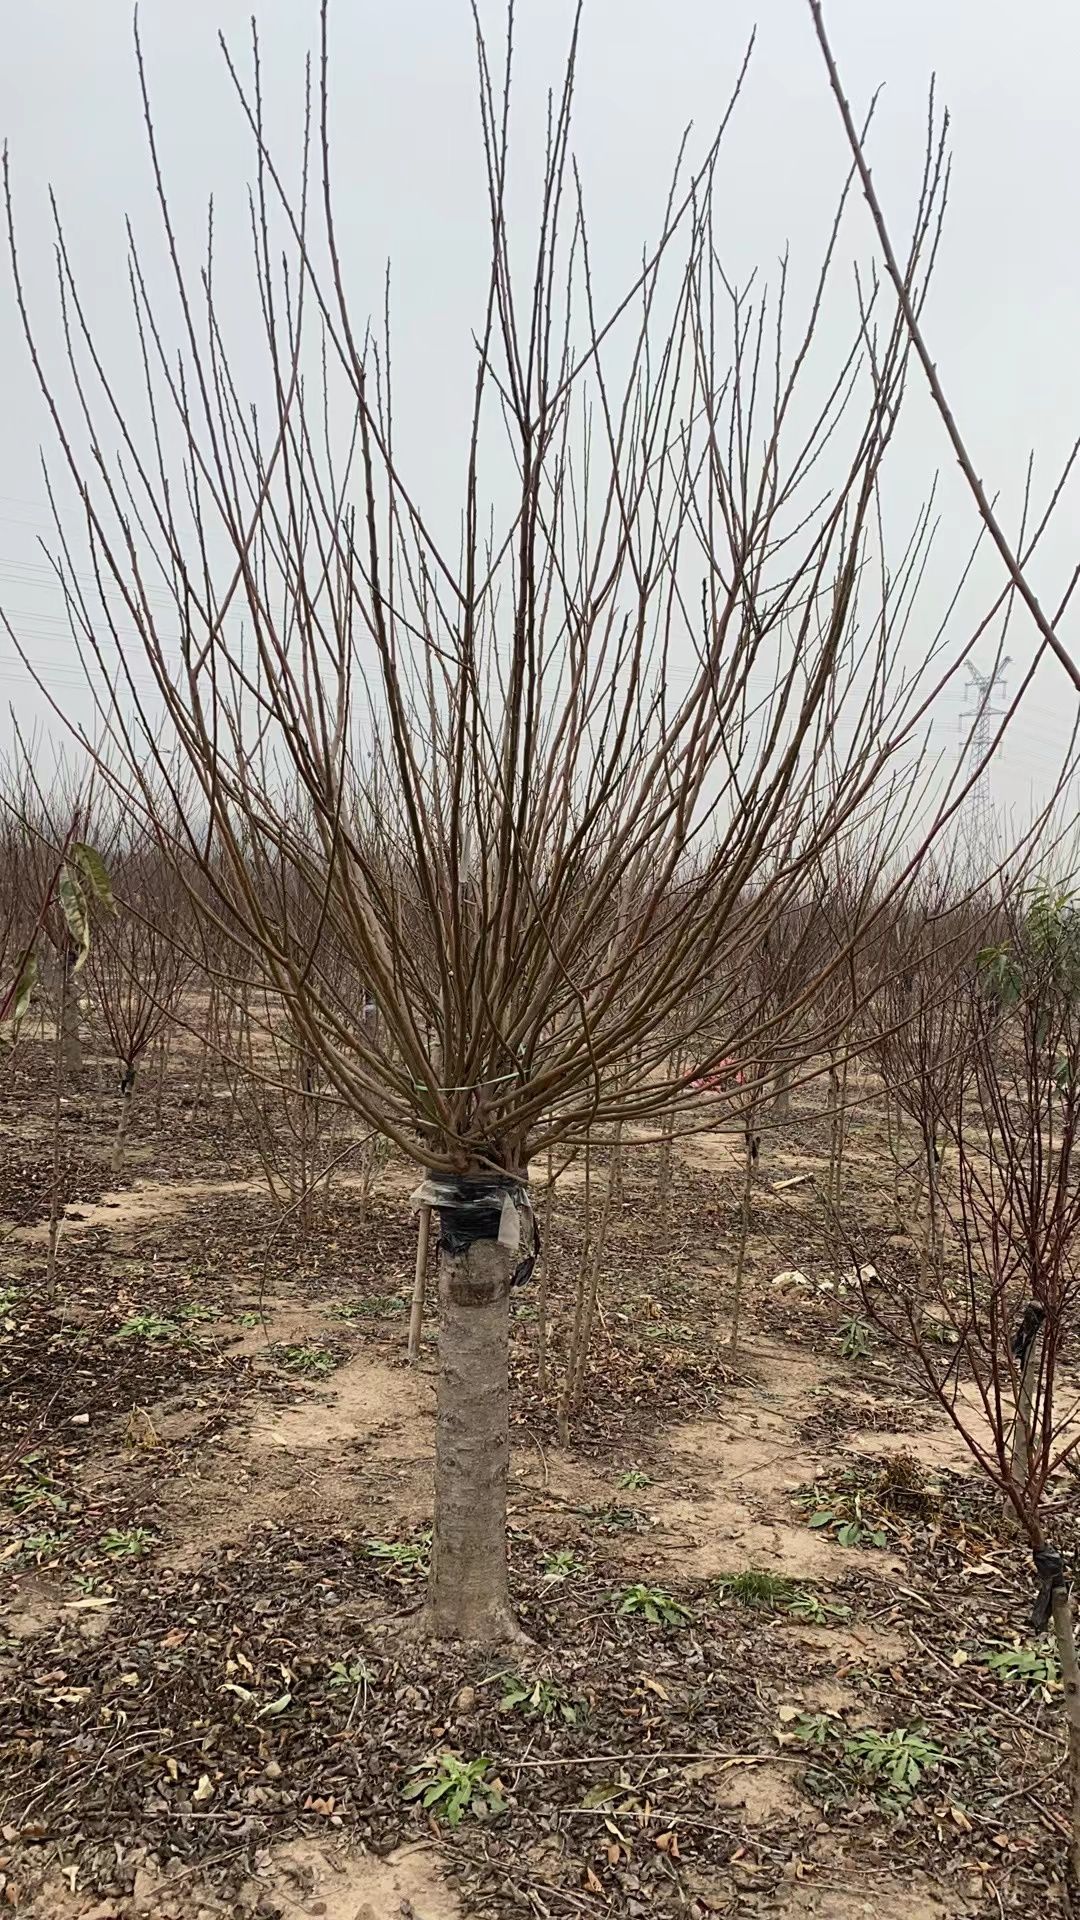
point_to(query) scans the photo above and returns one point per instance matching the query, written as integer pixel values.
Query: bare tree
(989, 1319)
(541, 778)
(139, 966)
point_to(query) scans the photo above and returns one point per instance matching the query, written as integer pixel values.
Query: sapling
(1008, 1283)
(140, 967)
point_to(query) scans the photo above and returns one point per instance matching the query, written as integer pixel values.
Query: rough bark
(469, 1589)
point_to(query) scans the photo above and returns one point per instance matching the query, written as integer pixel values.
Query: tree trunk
(837, 1083)
(70, 1029)
(469, 1589)
(1024, 1424)
(59, 1058)
(744, 1236)
(1070, 1676)
(159, 1095)
(127, 1088)
(542, 1288)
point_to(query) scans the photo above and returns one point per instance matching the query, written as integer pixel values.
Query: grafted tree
(544, 772)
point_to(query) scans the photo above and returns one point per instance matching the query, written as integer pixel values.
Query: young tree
(995, 1081)
(139, 966)
(544, 776)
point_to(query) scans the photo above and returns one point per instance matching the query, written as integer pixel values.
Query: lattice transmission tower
(976, 817)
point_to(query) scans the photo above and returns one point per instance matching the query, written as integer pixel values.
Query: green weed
(37, 1548)
(38, 1489)
(856, 1339)
(348, 1673)
(893, 1763)
(127, 1543)
(897, 1761)
(451, 1787)
(1029, 1666)
(317, 1362)
(374, 1306)
(653, 1604)
(561, 1565)
(537, 1699)
(753, 1589)
(815, 1612)
(148, 1326)
(407, 1557)
(844, 1518)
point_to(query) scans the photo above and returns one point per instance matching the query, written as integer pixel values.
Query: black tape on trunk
(484, 1206)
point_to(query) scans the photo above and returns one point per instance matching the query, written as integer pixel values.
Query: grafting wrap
(483, 1206)
(1050, 1567)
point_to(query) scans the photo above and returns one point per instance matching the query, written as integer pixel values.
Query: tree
(139, 966)
(530, 788)
(995, 1082)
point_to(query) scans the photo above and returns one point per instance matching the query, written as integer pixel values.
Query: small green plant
(634, 1479)
(775, 1592)
(314, 1361)
(753, 1589)
(453, 1787)
(897, 1760)
(844, 1518)
(89, 1584)
(561, 1565)
(617, 1519)
(196, 1311)
(1029, 1666)
(856, 1339)
(148, 1326)
(38, 1488)
(537, 1699)
(348, 1673)
(250, 1319)
(406, 1557)
(374, 1306)
(127, 1543)
(816, 1729)
(9, 1298)
(37, 1548)
(806, 1606)
(653, 1604)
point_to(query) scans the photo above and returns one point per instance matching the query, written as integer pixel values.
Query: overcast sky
(1002, 320)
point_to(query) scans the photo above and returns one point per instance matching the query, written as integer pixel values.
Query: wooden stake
(416, 1317)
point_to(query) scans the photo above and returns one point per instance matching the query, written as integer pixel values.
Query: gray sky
(1002, 318)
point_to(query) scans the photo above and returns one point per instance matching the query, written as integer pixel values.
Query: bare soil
(216, 1482)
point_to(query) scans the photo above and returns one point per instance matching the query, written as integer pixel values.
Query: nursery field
(776, 1656)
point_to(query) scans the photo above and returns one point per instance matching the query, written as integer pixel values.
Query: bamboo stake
(416, 1316)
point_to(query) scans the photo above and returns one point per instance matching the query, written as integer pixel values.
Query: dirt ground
(217, 1485)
